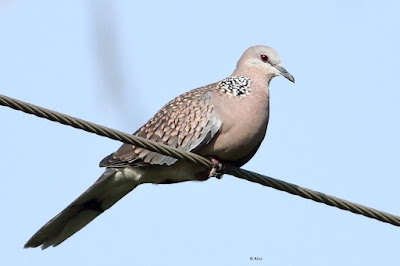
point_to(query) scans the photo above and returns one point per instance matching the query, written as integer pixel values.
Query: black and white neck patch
(235, 86)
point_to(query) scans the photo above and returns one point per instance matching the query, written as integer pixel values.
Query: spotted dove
(225, 121)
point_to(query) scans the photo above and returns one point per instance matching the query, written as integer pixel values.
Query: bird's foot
(218, 169)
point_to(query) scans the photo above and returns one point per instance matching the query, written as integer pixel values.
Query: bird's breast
(244, 124)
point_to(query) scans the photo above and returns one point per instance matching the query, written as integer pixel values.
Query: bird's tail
(106, 191)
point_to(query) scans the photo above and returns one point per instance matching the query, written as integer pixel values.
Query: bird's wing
(188, 122)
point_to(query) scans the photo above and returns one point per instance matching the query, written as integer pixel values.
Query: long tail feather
(104, 193)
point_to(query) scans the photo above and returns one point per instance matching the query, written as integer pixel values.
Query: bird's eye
(264, 58)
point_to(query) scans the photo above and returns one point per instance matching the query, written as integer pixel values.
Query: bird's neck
(256, 85)
(259, 81)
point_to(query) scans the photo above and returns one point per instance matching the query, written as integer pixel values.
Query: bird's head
(261, 60)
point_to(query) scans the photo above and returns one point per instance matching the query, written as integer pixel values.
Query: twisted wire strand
(194, 158)
(317, 196)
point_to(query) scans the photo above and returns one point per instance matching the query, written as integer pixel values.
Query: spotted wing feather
(188, 122)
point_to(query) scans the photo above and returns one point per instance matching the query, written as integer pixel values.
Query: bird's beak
(283, 72)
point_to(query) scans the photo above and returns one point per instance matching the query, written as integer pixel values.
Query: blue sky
(117, 62)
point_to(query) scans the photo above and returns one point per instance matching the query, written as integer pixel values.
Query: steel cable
(194, 158)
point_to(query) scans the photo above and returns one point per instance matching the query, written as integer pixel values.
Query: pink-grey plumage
(226, 120)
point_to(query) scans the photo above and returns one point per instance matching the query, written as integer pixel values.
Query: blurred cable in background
(107, 50)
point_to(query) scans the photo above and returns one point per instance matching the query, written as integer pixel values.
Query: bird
(225, 121)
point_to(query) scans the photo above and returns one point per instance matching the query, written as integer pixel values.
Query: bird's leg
(218, 169)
